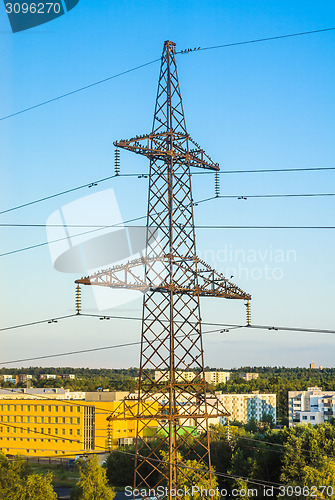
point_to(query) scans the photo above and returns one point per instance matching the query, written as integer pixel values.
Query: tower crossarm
(150, 274)
(185, 150)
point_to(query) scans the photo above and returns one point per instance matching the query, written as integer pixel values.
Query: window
(304, 417)
(78, 432)
(63, 431)
(312, 417)
(70, 432)
(49, 408)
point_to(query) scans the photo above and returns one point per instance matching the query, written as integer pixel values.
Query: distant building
(180, 376)
(22, 378)
(45, 393)
(68, 376)
(312, 366)
(47, 376)
(246, 407)
(217, 377)
(313, 406)
(248, 376)
(8, 378)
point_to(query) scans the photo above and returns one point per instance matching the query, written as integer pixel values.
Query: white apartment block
(313, 406)
(248, 376)
(245, 407)
(217, 377)
(8, 378)
(180, 376)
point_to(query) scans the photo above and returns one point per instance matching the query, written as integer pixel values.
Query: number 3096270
(33, 8)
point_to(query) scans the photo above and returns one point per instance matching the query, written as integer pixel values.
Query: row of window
(33, 451)
(41, 430)
(55, 408)
(42, 420)
(37, 439)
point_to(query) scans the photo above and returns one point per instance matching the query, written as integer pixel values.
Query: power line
(71, 190)
(120, 225)
(50, 320)
(96, 182)
(104, 80)
(258, 40)
(23, 249)
(137, 318)
(264, 171)
(81, 351)
(232, 196)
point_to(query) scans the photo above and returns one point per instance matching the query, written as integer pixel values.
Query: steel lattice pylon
(173, 407)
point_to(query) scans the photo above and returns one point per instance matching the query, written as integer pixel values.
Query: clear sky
(260, 106)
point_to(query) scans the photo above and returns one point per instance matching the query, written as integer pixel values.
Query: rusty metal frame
(173, 279)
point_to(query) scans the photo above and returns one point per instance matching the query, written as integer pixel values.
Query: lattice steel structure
(173, 406)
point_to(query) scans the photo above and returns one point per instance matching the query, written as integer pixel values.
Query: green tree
(16, 482)
(93, 481)
(120, 468)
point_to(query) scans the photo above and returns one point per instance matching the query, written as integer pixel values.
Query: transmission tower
(173, 407)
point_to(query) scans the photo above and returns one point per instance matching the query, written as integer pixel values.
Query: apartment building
(22, 378)
(8, 378)
(313, 406)
(180, 376)
(246, 407)
(215, 378)
(248, 376)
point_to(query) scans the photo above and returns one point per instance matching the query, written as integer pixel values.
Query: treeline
(277, 380)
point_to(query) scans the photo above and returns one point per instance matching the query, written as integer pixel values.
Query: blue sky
(267, 105)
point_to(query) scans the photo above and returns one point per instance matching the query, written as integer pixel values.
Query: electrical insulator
(78, 299)
(117, 161)
(217, 184)
(109, 437)
(247, 305)
(228, 431)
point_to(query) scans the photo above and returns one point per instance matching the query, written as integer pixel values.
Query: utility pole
(173, 281)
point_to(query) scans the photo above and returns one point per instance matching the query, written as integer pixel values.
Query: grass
(62, 476)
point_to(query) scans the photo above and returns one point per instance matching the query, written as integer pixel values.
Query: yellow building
(51, 427)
